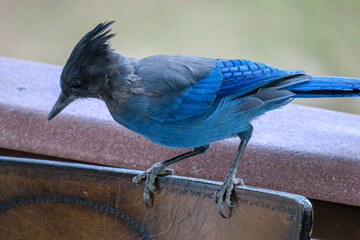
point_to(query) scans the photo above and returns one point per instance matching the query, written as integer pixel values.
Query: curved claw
(231, 205)
(220, 207)
(222, 215)
(223, 194)
(219, 199)
(146, 200)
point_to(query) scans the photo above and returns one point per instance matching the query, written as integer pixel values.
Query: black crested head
(88, 69)
(88, 59)
(93, 45)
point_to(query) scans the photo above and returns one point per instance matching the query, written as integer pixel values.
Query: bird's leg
(225, 190)
(159, 169)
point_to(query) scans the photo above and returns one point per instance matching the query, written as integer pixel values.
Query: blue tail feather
(327, 86)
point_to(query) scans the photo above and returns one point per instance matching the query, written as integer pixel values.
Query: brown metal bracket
(184, 208)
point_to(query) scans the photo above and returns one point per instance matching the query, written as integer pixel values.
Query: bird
(185, 101)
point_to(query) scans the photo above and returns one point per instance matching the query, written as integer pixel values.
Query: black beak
(60, 104)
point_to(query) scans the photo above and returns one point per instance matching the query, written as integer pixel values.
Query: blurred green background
(320, 36)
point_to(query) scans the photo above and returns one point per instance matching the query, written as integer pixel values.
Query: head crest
(93, 44)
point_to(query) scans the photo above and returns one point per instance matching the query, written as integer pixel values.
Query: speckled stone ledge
(302, 150)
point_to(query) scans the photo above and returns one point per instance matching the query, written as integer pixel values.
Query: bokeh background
(320, 36)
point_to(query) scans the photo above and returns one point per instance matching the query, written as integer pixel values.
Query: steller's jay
(186, 101)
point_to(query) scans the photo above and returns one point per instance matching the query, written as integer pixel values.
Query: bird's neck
(119, 79)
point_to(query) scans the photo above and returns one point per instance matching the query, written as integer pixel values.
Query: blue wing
(243, 76)
(230, 77)
(199, 97)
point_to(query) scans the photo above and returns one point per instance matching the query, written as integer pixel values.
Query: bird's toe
(150, 183)
(168, 171)
(138, 178)
(238, 181)
(223, 194)
(147, 197)
(219, 199)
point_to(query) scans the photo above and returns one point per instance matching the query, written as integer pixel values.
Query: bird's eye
(75, 84)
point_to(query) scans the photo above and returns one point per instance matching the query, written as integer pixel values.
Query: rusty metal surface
(302, 150)
(183, 209)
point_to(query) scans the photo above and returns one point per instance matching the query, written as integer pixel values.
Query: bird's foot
(150, 175)
(223, 194)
